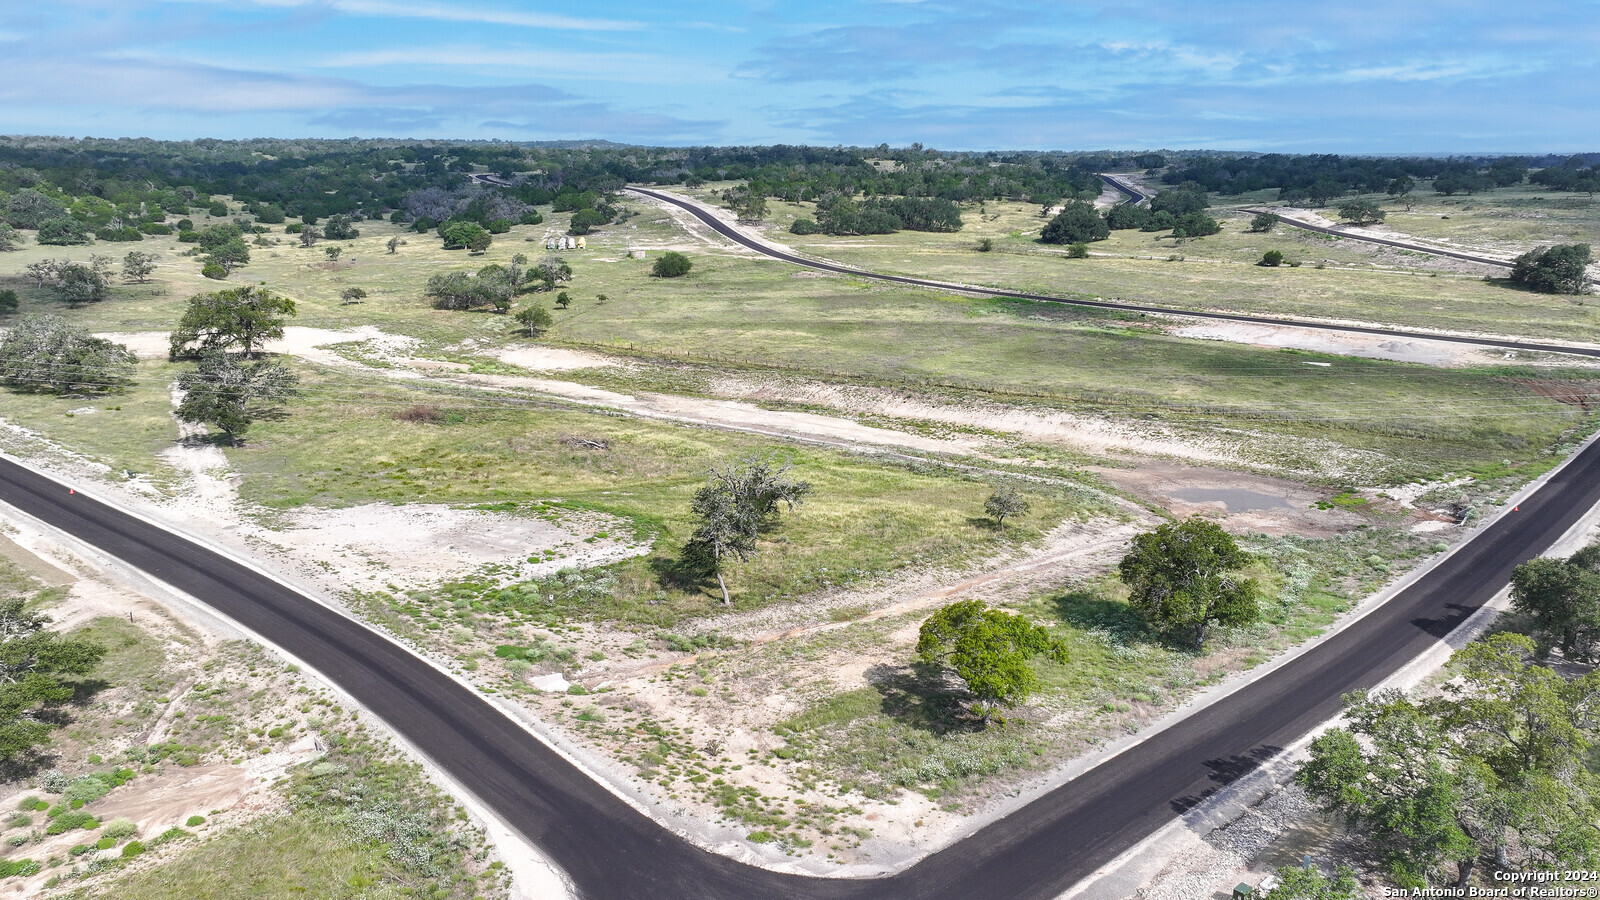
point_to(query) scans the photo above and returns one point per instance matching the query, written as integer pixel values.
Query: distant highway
(1135, 195)
(610, 850)
(766, 249)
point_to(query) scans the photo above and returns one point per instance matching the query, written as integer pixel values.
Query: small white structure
(636, 254)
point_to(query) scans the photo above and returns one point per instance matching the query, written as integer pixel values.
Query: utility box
(1243, 892)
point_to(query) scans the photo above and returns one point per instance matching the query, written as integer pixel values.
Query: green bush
(156, 228)
(803, 226)
(168, 836)
(18, 868)
(1078, 250)
(184, 225)
(120, 829)
(31, 803)
(105, 843)
(195, 821)
(214, 271)
(20, 820)
(1271, 258)
(671, 264)
(67, 820)
(132, 849)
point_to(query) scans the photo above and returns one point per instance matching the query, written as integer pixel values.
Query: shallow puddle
(1234, 499)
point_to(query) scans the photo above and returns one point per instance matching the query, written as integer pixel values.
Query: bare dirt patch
(1412, 350)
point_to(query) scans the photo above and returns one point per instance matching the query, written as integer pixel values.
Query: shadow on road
(1225, 771)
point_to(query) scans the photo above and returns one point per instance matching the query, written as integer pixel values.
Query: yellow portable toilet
(583, 243)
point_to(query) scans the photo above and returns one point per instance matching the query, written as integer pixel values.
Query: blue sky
(1384, 77)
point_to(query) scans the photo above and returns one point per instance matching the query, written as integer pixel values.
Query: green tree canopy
(1494, 766)
(138, 266)
(244, 317)
(226, 394)
(738, 502)
(1561, 598)
(1005, 502)
(1076, 222)
(535, 318)
(46, 354)
(990, 650)
(1559, 269)
(1264, 222)
(671, 264)
(490, 286)
(62, 232)
(1180, 576)
(38, 668)
(1360, 212)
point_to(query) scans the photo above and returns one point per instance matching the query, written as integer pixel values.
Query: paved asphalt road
(612, 851)
(727, 231)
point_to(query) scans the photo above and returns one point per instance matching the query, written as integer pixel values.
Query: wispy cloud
(529, 58)
(446, 12)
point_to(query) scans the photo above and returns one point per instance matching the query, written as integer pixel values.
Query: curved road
(612, 851)
(738, 237)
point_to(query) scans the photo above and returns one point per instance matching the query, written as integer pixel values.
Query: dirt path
(1072, 545)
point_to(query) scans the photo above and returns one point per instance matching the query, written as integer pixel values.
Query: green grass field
(1354, 282)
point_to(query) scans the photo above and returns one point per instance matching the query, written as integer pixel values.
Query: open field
(795, 717)
(1337, 279)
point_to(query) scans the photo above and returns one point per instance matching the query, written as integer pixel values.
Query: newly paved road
(736, 236)
(612, 851)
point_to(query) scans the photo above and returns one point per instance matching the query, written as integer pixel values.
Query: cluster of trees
(837, 214)
(1320, 178)
(1492, 769)
(74, 282)
(225, 391)
(1578, 173)
(1182, 210)
(1558, 269)
(496, 286)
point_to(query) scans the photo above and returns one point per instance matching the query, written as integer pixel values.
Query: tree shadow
(923, 697)
(1225, 771)
(1442, 626)
(984, 522)
(687, 571)
(29, 761)
(1086, 609)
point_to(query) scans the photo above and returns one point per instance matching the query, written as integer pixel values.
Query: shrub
(66, 820)
(671, 264)
(1079, 250)
(185, 225)
(20, 820)
(1271, 258)
(421, 413)
(31, 803)
(803, 226)
(196, 821)
(120, 829)
(62, 232)
(18, 868)
(156, 228)
(985, 245)
(105, 843)
(214, 271)
(186, 236)
(168, 836)
(132, 849)
(8, 302)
